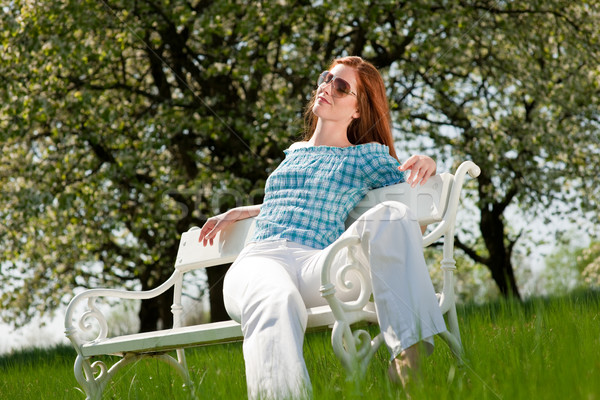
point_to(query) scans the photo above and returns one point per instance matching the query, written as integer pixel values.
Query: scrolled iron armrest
(82, 325)
(466, 167)
(328, 288)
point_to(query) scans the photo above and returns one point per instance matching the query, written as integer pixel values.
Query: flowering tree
(123, 123)
(590, 263)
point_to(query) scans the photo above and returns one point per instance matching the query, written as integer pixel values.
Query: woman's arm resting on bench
(219, 222)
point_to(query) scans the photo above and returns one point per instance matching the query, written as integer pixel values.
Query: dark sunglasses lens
(341, 86)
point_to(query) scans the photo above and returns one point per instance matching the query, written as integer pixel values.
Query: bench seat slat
(165, 340)
(198, 335)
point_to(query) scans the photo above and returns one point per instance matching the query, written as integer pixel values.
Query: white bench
(435, 203)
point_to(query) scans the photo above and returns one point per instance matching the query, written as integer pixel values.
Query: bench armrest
(190, 256)
(447, 224)
(75, 325)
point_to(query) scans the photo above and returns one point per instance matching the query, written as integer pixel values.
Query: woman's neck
(330, 134)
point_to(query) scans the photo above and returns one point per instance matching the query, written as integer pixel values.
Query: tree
(473, 283)
(123, 123)
(588, 264)
(561, 274)
(572, 265)
(514, 86)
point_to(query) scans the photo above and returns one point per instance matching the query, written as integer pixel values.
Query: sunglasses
(340, 87)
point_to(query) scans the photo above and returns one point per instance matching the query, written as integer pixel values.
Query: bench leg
(452, 335)
(84, 373)
(93, 377)
(354, 349)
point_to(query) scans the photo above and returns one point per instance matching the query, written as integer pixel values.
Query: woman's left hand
(421, 168)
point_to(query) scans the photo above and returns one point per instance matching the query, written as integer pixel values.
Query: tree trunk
(499, 259)
(156, 313)
(215, 291)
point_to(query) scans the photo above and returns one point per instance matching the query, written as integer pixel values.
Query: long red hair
(374, 123)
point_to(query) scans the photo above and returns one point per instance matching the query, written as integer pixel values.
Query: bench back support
(192, 254)
(428, 201)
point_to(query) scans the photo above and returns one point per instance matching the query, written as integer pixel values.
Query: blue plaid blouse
(309, 196)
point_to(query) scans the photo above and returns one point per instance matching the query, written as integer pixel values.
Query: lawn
(539, 349)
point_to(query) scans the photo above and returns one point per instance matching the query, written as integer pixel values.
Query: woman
(347, 151)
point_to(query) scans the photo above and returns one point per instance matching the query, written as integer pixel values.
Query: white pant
(271, 284)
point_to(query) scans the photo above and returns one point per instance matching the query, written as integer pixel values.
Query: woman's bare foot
(404, 368)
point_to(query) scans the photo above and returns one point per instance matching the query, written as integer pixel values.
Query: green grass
(540, 349)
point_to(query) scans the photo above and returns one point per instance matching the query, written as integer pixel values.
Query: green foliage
(123, 123)
(561, 274)
(588, 263)
(570, 267)
(512, 86)
(472, 281)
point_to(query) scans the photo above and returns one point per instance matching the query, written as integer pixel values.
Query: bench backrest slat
(428, 201)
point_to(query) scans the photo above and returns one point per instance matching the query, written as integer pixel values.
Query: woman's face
(333, 105)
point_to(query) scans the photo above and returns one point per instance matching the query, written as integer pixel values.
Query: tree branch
(470, 252)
